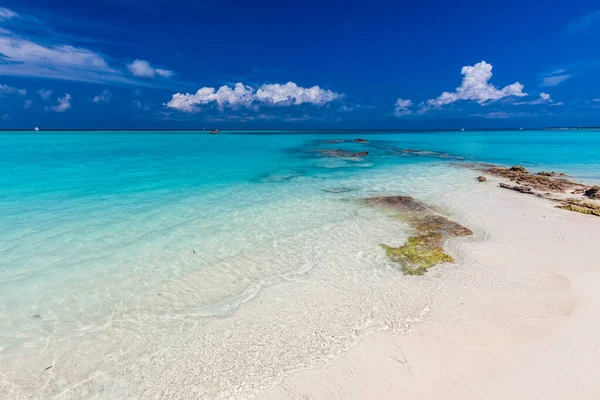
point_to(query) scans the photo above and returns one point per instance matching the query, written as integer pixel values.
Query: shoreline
(516, 317)
(302, 336)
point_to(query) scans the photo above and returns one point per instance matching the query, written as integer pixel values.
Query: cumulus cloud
(244, 95)
(103, 97)
(5, 89)
(143, 69)
(27, 104)
(543, 99)
(64, 103)
(292, 94)
(401, 107)
(45, 94)
(476, 87)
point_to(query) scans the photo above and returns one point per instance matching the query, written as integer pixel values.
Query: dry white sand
(518, 318)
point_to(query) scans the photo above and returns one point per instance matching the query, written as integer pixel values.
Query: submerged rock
(402, 204)
(344, 153)
(419, 254)
(424, 250)
(360, 140)
(439, 224)
(551, 173)
(481, 178)
(593, 192)
(338, 190)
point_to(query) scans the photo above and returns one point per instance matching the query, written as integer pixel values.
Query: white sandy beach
(517, 316)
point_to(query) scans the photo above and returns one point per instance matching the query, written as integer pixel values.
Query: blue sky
(310, 64)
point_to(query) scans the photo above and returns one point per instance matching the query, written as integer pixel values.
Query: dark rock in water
(518, 168)
(360, 140)
(281, 176)
(402, 204)
(438, 224)
(338, 190)
(38, 316)
(344, 153)
(517, 188)
(481, 178)
(593, 192)
(551, 173)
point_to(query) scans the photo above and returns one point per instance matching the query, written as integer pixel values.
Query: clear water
(94, 227)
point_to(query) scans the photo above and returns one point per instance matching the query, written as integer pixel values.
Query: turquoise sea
(105, 232)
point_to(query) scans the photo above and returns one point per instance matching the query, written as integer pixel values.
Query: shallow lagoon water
(105, 232)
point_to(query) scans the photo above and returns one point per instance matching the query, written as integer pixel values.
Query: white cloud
(143, 69)
(28, 103)
(476, 87)
(401, 107)
(45, 94)
(554, 80)
(103, 97)
(5, 14)
(5, 89)
(292, 94)
(64, 103)
(543, 99)
(244, 95)
(23, 57)
(596, 100)
(560, 103)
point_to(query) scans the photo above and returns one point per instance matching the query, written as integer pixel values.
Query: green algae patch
(419, 253)
(581, 207)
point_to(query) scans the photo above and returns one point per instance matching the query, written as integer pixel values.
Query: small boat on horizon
(36, 129)
(214, 132)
